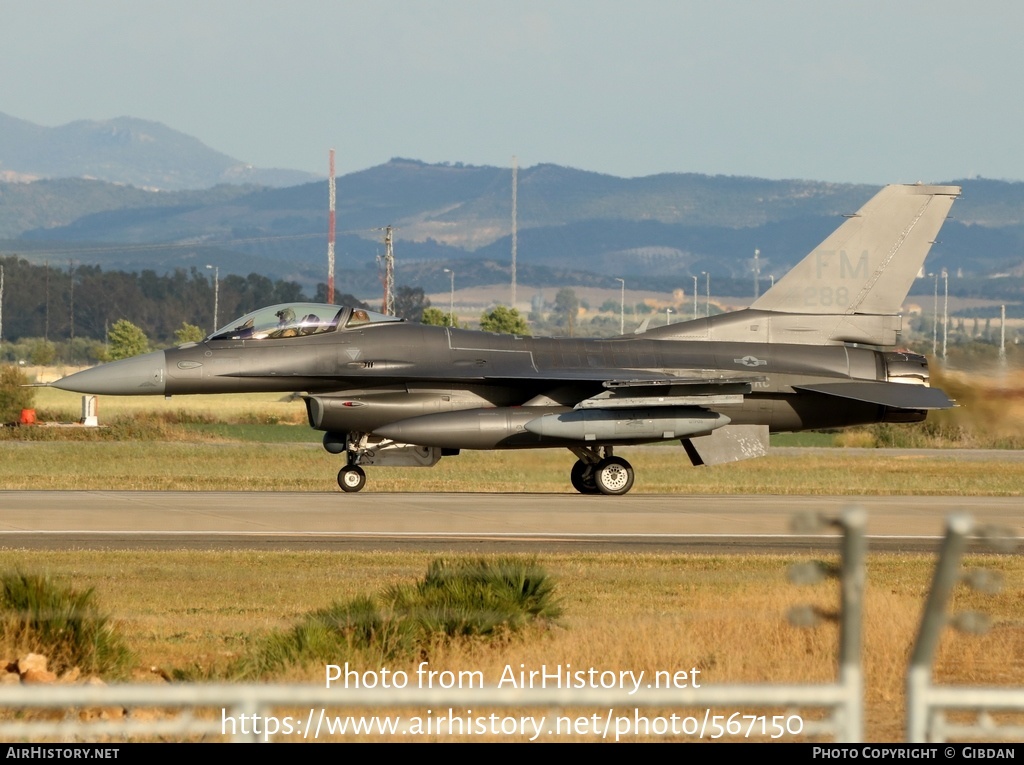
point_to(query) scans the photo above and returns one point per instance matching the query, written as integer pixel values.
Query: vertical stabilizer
(868, 264)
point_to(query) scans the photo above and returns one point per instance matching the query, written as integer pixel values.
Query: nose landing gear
(351, 478)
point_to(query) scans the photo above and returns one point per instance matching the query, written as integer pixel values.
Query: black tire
(351, 478)
(613, 476)
(582, 478)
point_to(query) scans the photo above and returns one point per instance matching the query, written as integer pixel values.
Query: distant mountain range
(574, 227)
(124, 150)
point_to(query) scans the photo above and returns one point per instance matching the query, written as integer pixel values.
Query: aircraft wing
(642, 389)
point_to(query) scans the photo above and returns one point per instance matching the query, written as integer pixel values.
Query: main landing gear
(597, 471)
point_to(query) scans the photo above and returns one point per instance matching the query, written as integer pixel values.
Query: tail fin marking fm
(889, 236)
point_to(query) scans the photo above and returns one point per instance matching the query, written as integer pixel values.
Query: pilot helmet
(285, 314)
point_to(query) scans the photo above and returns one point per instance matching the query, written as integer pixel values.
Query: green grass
(256, 433)
(808, 438)
(146, 466)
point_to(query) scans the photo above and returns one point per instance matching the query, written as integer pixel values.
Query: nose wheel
(351, 478)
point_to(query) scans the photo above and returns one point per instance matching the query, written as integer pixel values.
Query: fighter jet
(814, 351)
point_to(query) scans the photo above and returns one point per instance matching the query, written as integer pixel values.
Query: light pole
(668, 316)
(622, 305)
(757, 274)
(935, 316)
(216, 294)
(945, 309)
(1003, 332)
(707, 293)
(451, 299)
(695, 298)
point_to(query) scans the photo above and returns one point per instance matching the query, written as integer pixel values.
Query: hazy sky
(873, 92)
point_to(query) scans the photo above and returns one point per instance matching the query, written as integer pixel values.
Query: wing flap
(689, 377)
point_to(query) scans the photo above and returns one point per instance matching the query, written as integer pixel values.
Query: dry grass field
(724, 615)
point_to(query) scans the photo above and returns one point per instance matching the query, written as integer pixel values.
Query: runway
(66, 520)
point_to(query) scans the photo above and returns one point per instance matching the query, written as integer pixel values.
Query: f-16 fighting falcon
(389, 392)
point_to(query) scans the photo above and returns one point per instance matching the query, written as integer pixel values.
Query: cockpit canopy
(297, 320)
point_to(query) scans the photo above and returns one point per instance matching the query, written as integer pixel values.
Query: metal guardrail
(231, 701)
(925, 701)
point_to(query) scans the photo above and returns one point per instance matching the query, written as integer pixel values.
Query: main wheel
(613, 475)
(582, 478)
(351, 478)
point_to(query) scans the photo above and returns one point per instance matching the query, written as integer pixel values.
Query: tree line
(59, 302)
(82, 314)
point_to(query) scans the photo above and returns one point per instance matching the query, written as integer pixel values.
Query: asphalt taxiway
(480, 522)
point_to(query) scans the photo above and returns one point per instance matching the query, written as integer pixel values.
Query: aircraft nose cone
(138, 376)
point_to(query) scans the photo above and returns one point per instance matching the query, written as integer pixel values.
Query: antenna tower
(389, 274)
(330, 231)
(71, 273)
(515, 184)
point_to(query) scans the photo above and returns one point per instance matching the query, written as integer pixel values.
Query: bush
(13, 397)
(337, 633)
(63, 624)
(476, 597)
(456, 599)
(43, 353)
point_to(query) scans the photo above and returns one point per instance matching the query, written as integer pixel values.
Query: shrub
(13, 397)
(63, 624)
(456, 599)
(477, 597)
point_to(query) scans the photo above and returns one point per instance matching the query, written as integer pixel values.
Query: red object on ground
(28, 417)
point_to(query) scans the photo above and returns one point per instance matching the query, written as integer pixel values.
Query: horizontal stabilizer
(895, 395)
